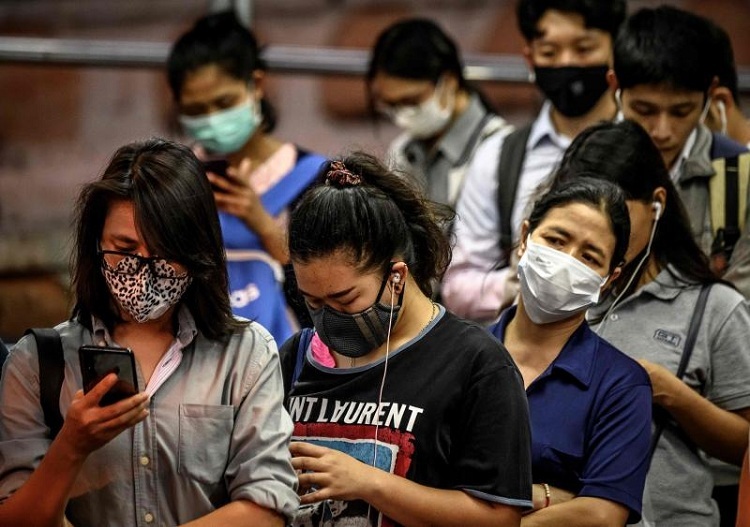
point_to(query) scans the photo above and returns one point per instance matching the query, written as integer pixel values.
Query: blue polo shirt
(590, 414)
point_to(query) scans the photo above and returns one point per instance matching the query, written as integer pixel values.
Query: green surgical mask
(225, 131)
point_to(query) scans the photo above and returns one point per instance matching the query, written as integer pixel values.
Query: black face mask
(573, 90)
(357, 334)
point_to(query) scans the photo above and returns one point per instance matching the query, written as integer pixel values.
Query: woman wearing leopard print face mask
(149, 274)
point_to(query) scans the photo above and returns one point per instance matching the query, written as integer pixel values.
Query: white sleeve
(473, 286)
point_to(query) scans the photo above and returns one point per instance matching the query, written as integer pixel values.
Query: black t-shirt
(453, 416)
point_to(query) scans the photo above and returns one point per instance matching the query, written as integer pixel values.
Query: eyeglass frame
(142, 260)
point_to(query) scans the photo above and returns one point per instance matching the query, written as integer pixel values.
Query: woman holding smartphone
(217, 78)
(149, 275)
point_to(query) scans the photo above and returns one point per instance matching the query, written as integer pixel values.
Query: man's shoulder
(724, 147)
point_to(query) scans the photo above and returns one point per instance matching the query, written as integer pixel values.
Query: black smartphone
(216, 166)
(99, 361)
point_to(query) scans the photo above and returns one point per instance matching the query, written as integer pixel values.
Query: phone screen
(99, 361)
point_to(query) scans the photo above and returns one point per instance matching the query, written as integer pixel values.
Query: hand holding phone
(99, 361)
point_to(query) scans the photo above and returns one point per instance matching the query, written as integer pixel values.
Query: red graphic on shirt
(395, 451)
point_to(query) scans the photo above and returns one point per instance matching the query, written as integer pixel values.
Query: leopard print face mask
(143, 294)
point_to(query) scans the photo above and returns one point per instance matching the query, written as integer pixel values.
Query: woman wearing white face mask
(415, 78)
(589, 404)
(648, 314)
(217, 76)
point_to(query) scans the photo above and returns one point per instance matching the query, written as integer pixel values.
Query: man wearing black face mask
(568, 50)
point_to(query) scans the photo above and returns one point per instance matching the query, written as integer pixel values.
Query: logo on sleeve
(672, 339)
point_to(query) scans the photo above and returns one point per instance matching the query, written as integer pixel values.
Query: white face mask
(428, 118)
(554, 285)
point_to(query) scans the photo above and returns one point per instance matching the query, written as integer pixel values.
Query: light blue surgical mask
(225, 131)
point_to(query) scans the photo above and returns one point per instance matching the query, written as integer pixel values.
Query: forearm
(578, 512)
(42, 499)
(272, 235)
(239, 513)
(412, 505)
(720, 433)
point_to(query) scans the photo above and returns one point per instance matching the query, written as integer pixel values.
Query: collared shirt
(473, 286)
(590, 413)
(439, 169)
(653, 324)
(216, 432)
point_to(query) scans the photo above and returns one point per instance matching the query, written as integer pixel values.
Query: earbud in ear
(656, 205)
(396, 278)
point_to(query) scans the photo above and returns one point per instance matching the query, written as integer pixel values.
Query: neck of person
(417, 311)
(738, 127)
(534, 346)
(258, 149)
(605, 109)
(148, 340)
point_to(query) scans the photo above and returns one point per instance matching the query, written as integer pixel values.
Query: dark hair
(723, 59)
(667, 46)
(415, 48)
(602, 195)
(175, 214)
(373, 217)
(624, 154)
(607, 15)
(218, 39)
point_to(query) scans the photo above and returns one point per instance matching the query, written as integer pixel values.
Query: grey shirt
(439, 169)
(652, 324)
(217, 432)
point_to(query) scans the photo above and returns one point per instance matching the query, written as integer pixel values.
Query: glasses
(130, 264)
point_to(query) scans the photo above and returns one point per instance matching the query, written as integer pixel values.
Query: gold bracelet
(547, 495)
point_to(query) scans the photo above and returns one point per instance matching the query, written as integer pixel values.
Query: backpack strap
(305, 337)
(661, 416)
(509, 168)
(51, 375)
(288, 188)
(728, 201)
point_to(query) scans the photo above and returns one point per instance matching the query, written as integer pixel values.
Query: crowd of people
(493, 325)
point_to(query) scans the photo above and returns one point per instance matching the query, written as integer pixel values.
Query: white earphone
(396, 279)
(656, 205)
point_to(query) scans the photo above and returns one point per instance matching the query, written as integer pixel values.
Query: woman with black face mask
(589, 404)
(404, 414)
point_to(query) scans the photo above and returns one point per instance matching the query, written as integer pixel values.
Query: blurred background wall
(59, 124)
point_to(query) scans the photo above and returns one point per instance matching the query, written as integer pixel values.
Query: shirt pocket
(205, 436)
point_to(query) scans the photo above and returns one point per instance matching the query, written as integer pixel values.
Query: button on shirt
(590, 413)
(439, 169)
(216, 432)
(474, 286)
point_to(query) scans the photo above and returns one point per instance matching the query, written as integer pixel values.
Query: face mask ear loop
(704, 112)
(600, 329)
(382, 381)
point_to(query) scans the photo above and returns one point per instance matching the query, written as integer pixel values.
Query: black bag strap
(51, 375)
(661, 416)
(509, 168)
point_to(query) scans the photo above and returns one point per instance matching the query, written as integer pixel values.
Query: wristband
(547, 495)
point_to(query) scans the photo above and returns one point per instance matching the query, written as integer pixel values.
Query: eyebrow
(589, 246)
(335, 295)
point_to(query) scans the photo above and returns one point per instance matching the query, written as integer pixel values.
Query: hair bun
(340, 176)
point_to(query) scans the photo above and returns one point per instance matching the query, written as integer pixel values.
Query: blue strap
(305, 337)
(281, 195)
